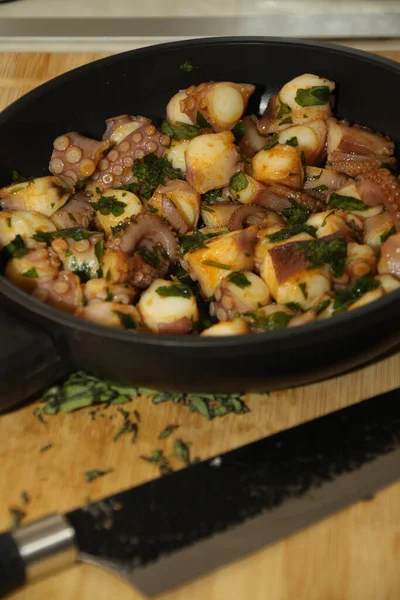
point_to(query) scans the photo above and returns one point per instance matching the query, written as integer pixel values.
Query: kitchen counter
(353, 555)
(117, 25)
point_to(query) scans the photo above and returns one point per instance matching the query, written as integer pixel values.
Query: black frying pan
(40, 344)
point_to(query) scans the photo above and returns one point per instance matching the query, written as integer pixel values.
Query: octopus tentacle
(248, 214)
(64, 292)
(76, 156)
(381, 187)
(357, 139)
(116, 168)
(77, 212)
(357, 164)
(221, 103)
(147, 227)
(277, 197)
(117, 128)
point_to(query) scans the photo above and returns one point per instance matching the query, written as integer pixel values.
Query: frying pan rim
(297, 335)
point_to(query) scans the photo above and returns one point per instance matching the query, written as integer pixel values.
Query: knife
(170, 530)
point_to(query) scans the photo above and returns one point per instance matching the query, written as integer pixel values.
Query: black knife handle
(12, 567)
(30, 360)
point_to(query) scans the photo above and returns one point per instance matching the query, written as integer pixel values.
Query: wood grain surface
(351, 556)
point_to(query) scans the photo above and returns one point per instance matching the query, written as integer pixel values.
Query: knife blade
(170, 530)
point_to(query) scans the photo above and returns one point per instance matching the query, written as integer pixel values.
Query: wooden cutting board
(354, 555)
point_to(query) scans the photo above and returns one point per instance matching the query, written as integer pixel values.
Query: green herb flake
(109, 205)
(239, 279)
(99, 250)
(387, 234)
(293, 141)
(182, 451)
(128, 426)
(32, 273)
(93, 474)
(276, 320)
(178, 290)
(157, 457)
(316, 95)
(284, 234)
(16, 517)
(274, 140)
(152, 171)
(167, 431)
(320, 188)
(294, 306)
(16, 248)
(25, 498)
(212, 196)
(129, 187)
(137, 415)
(202, 122)
(207, 209)
(303, 288)
(45, 448)
(345, 297)
(218, 265)
(125, 319)
(9, 222)
(347, 203)
(284, 109)
(74, 233)
(239, 130)
(187, 66)
(180, 131)
(71, 216)
(239, 182)
(320, 252)
(68, 253)
(287, 121)
(321, 306)
(109, 295)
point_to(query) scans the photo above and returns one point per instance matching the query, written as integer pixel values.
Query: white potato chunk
(114, 207)
(115, 266)
(112, 314)
(23, 223)
(280, 164)
(228, 252)
(176, 154)
(251, 193)
(211, 161)
(234, 327)
(174, 113)
(264, 243)
(291, 93)
(44, 195)
(323, 180)
(168, 307)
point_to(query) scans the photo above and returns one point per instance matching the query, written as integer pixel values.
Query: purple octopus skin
(114, 123)
(77, 212)
(76, 156)
(115, 169)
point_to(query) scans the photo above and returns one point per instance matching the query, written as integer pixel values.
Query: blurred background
(116, 25)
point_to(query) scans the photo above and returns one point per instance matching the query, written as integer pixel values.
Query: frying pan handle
(29, 360)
